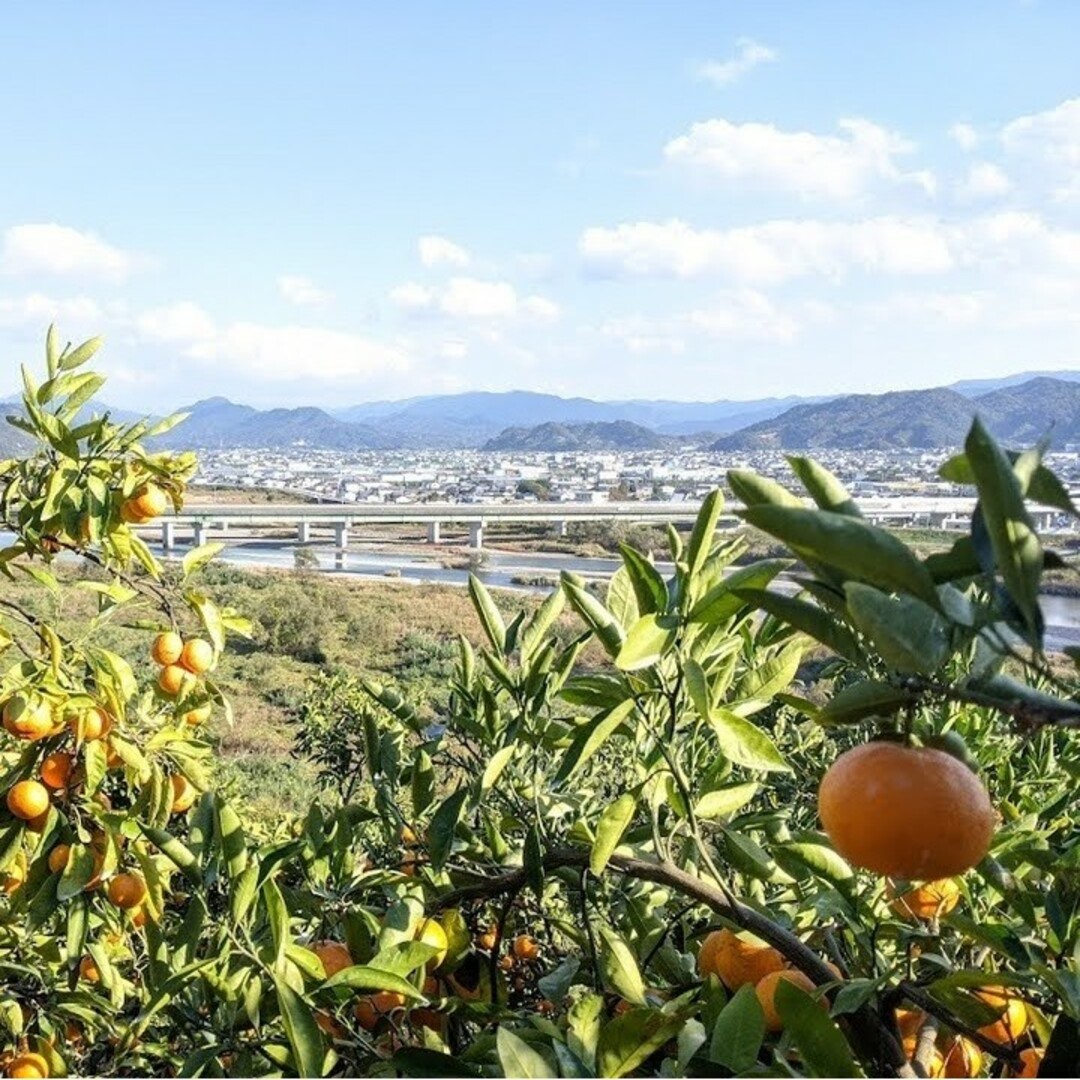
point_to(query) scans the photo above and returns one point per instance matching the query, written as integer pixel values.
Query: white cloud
(180, 322)
(1050, 140)
(473, 299)
(771, 252)
(302, 291)
(437, 251)
(36, 309)
(964, 135)
(748, 55)
(761, 155)
(299, 352)
(61, 250)
(984, 180)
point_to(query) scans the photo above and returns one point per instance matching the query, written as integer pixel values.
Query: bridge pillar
(168, 535)
(303, 532)
(341, 534)
(200, 532)
(476, 535)
(562, 528)
(433, 534)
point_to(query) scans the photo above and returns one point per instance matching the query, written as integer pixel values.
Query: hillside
(931, 419)
(619, 435)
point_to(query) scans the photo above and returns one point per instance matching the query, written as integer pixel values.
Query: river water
(519, 570)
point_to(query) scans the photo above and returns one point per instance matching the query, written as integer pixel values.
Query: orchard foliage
(598, 854)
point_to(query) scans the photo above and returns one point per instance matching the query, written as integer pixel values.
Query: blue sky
(336, 202)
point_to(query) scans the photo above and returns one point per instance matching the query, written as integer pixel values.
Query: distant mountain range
(1020, 408)
(929, 419)
(617, 435)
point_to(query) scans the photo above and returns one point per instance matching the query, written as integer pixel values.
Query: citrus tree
(810, 816)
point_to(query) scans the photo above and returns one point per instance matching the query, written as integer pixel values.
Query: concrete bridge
(200, 522)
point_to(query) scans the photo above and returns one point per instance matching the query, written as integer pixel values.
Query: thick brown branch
(876, 1046)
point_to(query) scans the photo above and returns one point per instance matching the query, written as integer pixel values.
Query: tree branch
(873, 1042)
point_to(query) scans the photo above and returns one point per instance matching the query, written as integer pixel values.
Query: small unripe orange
(28, 1066)
(58, 858)
(145, 504)
(195, 717)
(184, 794)
(89, 970)
(526, 947)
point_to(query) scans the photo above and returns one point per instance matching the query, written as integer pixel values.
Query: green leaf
(764, 681)
(360, 977)
(725, 599)
(851, 545)
(755, 490)
(175, 851)
(725, 801)
(809, 618)
(609, 830)
(80, 354)
(910, 636)
(628, 1040)
(494, 769)
(649, 586)
(818, 858)
(738, 1032)
(648, 640)
(620, 599)
(745, 744)
(301, 1030)
(597, 617)
(863, 699)
(518, 1058)
(422, 786)
(443, 826)
(589, 738)
(541, 621)
(198, 557)
(420, 1062)
(490, 619)
(824, 488)
(700, 543)
(1017, 550)
(620, 969)
(1039, 483)
(824, 1049)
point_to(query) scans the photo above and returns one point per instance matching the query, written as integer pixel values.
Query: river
(517, 570)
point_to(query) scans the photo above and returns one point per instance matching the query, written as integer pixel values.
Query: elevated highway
(325, 521)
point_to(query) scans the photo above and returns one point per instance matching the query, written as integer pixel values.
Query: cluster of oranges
(739, 960)
(144, 504)
(371, 1010)
(182, 663)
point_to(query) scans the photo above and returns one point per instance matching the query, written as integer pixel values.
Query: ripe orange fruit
(334, 956)
(507, 962)
(488, 939)
(198, 716)
(90, 725)
(167, 648)
(172, 678)
(28, 799)
(329, 1025)
(28, 718)
(408, 836)
(138, 917)
(766, 993)
(430, 932)
(56, 769)
(928, 901)
(1032, 1058)
(127, 890)
(912, 813)
(1013, 1021)
(58, 858)
(962, 1058)
(197, 656)
(909, 1022)
(526, 947)
(937, 1060)
(89, 970)
(184, 794)
(737, 960)
(28, 1066)
(145, 504)
(432, 1019)
(408, 864)
(373, 1007)
(15, 874)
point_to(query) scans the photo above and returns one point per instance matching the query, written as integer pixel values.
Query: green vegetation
(690, 826)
